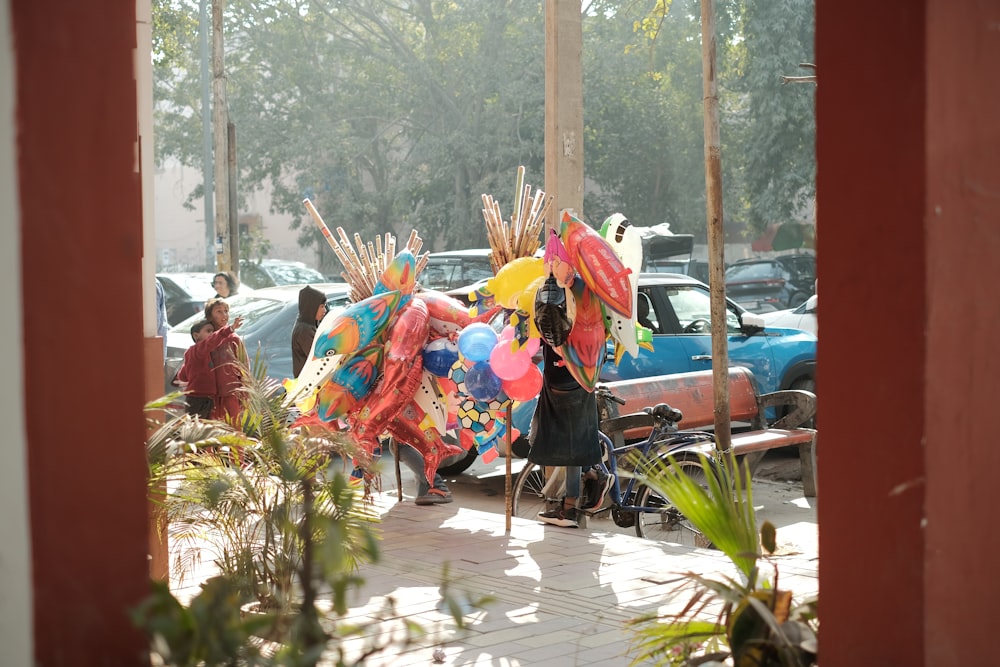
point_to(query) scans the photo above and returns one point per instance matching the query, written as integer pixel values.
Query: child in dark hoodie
(312, 309)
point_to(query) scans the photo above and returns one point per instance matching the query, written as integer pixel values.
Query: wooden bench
(693, 395)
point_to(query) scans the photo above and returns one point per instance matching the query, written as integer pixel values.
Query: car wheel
(797, 299)
(455, 465)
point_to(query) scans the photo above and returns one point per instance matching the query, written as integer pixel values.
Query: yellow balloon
(513, 278)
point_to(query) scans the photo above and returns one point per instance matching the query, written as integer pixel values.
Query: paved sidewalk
(560, 596)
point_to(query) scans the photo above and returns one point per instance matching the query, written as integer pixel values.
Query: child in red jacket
(228, 360)
(197, 375)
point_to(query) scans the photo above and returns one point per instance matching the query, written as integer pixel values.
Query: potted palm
(742, 621)
(268, 504)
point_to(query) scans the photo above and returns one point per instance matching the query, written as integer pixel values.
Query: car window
(475, 270)
(442, 273)
(692, 303)
(253, 276)
(753, 271)
(645, 313)
(172, 292)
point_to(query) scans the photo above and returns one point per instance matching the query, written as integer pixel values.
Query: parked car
(803, 317)
(763, 285)
(268, 317)
(680, 319)
(274, 272)
(453, 270)
(185, 294)
(696, 268)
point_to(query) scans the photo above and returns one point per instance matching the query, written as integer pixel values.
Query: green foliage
(270, 505)
(399, 116)
(749, 619)
(775, 124)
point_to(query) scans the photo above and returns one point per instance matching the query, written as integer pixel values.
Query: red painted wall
(81, 250)
(962, 215)
(871, 191)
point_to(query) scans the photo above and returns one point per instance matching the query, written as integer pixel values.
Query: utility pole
(563, 108)
(234, 222)
(716, 234)
(204, 27)
(220, 120)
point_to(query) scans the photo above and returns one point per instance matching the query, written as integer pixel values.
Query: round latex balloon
(482, 383)
(525, 387)
(477, 341)
(439, 355)
(507, 364)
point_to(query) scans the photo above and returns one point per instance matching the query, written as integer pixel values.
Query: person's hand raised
(238, 322)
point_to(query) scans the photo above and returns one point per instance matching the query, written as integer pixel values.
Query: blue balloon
(477, 341)
(439, 355)
(482, 383)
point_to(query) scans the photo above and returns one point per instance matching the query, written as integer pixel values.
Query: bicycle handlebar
(604, 392)
(660, 412)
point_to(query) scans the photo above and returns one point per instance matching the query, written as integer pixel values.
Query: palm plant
(745, 619)
(259, 499)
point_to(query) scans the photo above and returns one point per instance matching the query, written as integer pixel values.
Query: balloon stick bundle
(519, 237)
(364, 267)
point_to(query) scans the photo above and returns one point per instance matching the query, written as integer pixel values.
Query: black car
(268, 317)
(764, 285)
(185, 294)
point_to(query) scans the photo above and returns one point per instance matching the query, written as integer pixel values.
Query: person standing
(439, 493)
(224, 284)
(564, 428)
(161, 315)
(229, 359)
(312, 309)
(564, 433)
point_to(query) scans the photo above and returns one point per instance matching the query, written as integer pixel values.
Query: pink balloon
(525, 387)
(532, 346)
(509, 365)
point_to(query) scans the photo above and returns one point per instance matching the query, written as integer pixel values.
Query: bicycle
(634, 504)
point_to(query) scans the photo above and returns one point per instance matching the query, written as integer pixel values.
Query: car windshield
(289, 274)
(691, 304)
(253, 308)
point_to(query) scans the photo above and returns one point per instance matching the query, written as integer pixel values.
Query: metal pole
(206, 138)
(716, 237)
(220, 117)
(234, 222)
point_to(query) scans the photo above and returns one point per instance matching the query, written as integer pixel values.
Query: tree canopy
(398, 116)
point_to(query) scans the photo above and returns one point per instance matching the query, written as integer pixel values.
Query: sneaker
(434, 497)
(596, 490)
(564, 517)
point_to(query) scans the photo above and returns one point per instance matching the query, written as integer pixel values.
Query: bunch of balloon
(385, 335)
(512, 361)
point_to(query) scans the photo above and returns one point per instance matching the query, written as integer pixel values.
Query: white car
(803, 317)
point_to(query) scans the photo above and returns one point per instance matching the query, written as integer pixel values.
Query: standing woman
(224, 284)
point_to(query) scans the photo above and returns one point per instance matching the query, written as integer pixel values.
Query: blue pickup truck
(679, 315)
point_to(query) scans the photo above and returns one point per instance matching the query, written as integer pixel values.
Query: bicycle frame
(676, 442)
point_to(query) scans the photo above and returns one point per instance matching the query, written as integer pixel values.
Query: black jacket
(304, 330)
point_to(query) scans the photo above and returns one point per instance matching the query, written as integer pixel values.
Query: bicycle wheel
(534, 489)
(667, 523)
